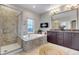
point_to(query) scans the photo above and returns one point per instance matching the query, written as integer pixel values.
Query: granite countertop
(67, 31)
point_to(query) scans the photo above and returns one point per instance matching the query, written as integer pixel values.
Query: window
(30, 25)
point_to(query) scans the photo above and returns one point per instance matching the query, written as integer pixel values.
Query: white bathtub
(32, 36)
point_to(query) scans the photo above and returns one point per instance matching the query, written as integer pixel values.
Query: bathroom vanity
(68, 39)
(33, 41)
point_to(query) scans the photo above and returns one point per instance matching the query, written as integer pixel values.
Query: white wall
(25, 16)
(46, 18)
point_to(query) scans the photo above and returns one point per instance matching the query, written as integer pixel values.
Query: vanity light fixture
(52, 12)
(66, 7)
(55, 11)
(71, 6)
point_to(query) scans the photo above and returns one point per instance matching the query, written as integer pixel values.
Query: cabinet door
(75, 41)
(52, 37)
(67, 39)
(49, 36)
(60, 37)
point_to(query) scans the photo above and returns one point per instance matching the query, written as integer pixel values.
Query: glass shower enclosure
(9, 40)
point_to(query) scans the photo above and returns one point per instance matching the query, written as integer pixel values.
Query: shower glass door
(8, 30)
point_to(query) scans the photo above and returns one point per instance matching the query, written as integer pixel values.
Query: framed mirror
(66, 20)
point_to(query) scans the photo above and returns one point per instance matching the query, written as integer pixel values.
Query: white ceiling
(40, 8)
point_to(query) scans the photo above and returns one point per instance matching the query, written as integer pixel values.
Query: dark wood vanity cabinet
(64, 38)
(52, 37)
(75, 41)
(60, 38)
(67, 41)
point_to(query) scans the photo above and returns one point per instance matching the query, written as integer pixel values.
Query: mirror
(66, 20)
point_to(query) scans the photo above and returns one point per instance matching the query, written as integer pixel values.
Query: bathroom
(24, 28)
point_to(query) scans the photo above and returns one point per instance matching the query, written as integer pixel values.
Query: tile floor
(52, 49)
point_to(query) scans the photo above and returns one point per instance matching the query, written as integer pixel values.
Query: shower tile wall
(8, 25)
